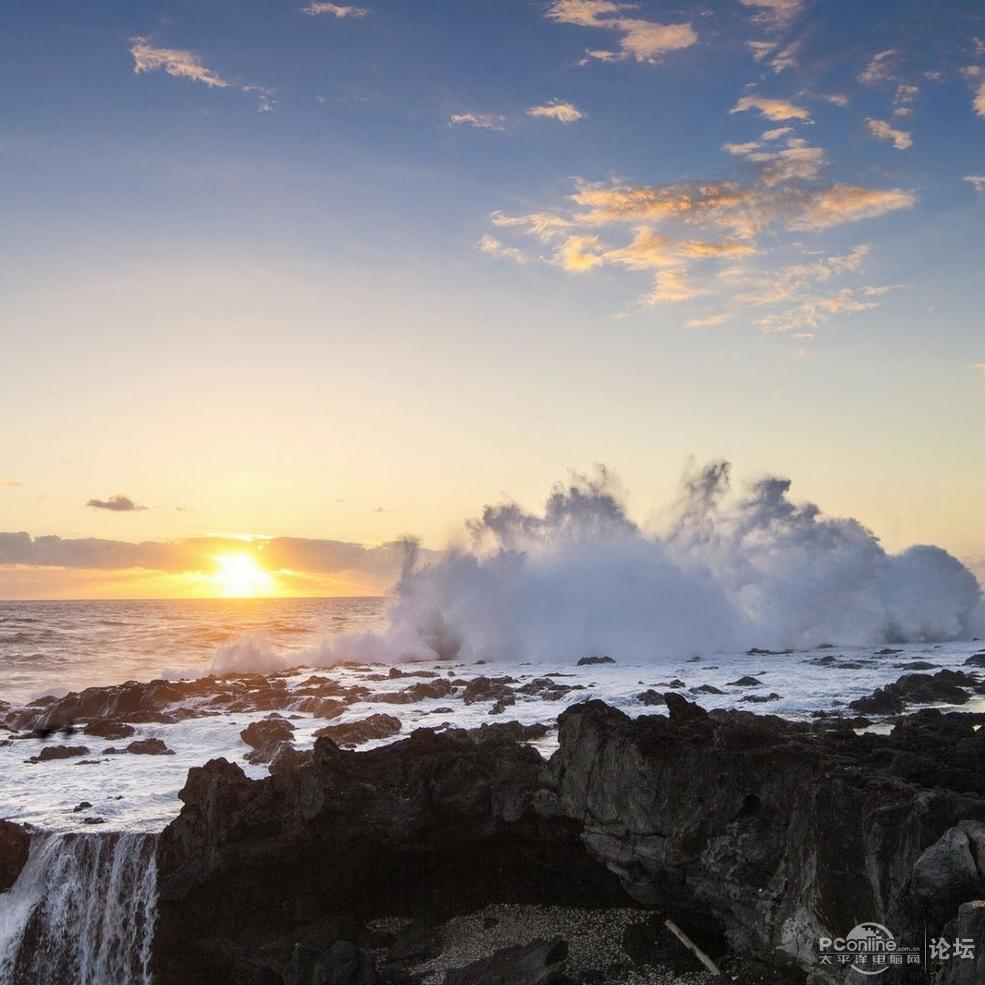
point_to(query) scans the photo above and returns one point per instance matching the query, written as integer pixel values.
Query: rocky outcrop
(15, 844)
(762, 833)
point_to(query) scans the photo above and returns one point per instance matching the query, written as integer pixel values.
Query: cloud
(797, 161)
(978, 102)
(881, 68)
(174, 61)
(333, 10)
(481, 121)
(905, 94)
(576, 254)
(882, 130)
(773, 109)
(12, 484)
(977, 181)
(557, 110)
(775, 13)
(493, 247)
(842, 203)
(375, 568)
(116, 504)
(786, 57)
(641, 40)
(183, 64)
(979, 368)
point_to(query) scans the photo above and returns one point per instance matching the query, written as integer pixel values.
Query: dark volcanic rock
(106, 729)
(976, 660)
(760, 698)
(15, 844)
(592, 661)
(539, 963)
(142, 747)
(266, 732)
(944, 686)
(752, 830)
(651, 697)
(366, 729)
(50, 753)
(489, 689)
(746, 682)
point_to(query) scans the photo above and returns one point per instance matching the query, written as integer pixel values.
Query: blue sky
(350, 271)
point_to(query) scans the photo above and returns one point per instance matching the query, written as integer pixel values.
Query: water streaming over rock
(82, 912)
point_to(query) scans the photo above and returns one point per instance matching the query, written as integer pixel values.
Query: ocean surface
(54, 647)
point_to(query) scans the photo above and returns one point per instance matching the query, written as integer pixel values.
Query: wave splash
(727, 572)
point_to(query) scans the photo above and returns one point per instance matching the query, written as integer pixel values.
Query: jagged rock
(945, 686)
(268, 731)
(83, 805)
(681, 710)
(746, 681)
(968, 925)
(593, 661)
(50, 753)
(650, 697)
(706, 689)
(288, 758)
(945, 875)
(918, 665)
(344, 964)
(142, 747)
(976, 660)
(489, 689)
(104, 728)
(15, 845)
(539, 963)
(760, 698)
(365, 730)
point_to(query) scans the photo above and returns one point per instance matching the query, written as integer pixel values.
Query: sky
(297, 280)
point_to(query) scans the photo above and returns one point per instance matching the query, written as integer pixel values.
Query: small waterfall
(82, 912)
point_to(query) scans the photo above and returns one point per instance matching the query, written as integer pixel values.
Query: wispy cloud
(116, 504)
(174, 61)
(640, 40)
(333, 10)
(774, 13)
(557, 110)
(979, 368)
(481, 121)
(773, 109)
(882, 130)
(881, 68)
(12, 484)
(183, 64)
(496, 248)
(977, 181)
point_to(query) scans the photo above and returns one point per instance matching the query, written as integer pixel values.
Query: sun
(239, 576)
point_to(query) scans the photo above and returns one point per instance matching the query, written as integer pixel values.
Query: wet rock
(917, 665)
(104, 728)
(945, 686)
(651, 697)
(364, 730)
(706, 689)
(92, 819)
(15, 845)
(288, 758)
(344, 964)
(969, 924)
(946, 874)
(539, 963)
(746, 681)
(489, 689)
(513, 731)
(760, 698)
(683, 711)
(81, 806)
(267, 733)
(142, 747)
(594, 661)
(975, 660)
(50, 753)
(439, 688)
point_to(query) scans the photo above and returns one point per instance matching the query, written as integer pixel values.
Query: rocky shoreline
(461, 856)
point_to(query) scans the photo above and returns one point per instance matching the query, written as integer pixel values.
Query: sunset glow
(239, 576)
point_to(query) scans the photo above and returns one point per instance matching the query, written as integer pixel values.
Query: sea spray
(725, 572)
(82, 912)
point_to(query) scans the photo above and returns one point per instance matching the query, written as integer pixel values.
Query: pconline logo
(869, 949)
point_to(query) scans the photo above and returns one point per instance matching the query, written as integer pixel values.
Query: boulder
(365, 730)
(15, 845)
(50, 753)
(539, 963)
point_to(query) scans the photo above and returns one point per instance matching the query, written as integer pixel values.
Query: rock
(968, 925)
(944, 686)
(706, 689)
(651, 697)
(142, 747)
(15, 845)
(81, 806)
(760, 698)
(682, 711)
(266, 732)
(364, 730)
(105, 728)
(287, 758)
(746, 682)
(649, 942)
(593, 661)
(419, 941)
(344, 964)
(438, 688)
(918, 665)
(50, 753)
(946, 875)
(976, 660)
(92, 819)
(539, 963)
(489, 689)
